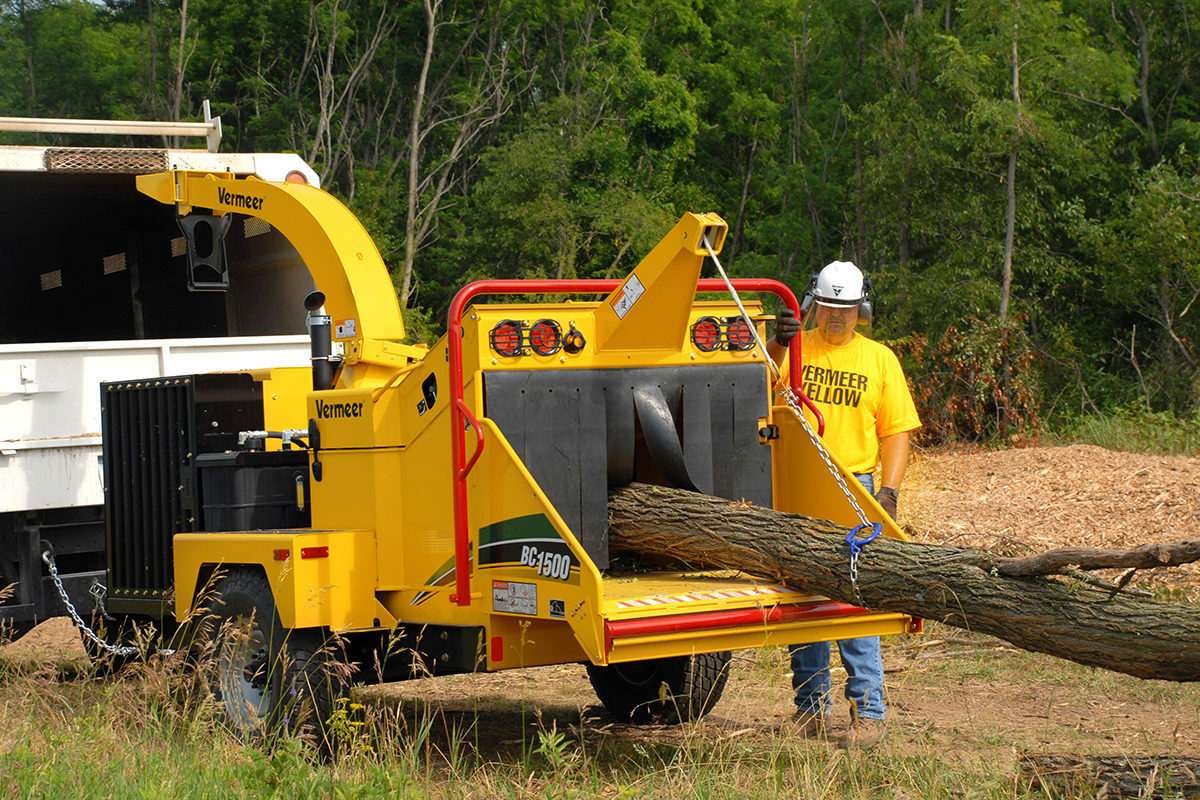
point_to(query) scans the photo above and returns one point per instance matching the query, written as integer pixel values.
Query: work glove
(786, 327)
(887, 497)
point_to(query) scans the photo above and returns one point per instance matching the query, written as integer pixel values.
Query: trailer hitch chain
(48, 559)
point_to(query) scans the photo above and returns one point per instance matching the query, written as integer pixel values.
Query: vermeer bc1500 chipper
(444, 510)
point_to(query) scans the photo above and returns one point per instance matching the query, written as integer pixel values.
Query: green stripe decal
(531, 526)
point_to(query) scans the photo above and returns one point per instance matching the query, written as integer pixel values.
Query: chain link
(790, 398)
(854, 576)
(856, 546)
(83, 626)
(793, 402)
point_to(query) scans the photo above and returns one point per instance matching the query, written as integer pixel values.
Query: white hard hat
(839, 284)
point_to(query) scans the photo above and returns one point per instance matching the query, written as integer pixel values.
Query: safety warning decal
(629, 294)
(344, 328)
(510, 597)
(698, 597)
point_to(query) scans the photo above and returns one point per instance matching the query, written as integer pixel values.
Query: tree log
(1113, 776)
(964, 588)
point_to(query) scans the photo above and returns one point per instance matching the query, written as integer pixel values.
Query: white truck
(98, 282)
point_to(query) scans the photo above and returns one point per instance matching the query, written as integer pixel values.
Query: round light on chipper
(506, 338)
(706, 334)
(573, 342)
(545, 337)
(738, 334)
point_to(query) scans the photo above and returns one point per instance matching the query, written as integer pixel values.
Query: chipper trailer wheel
(267, 681)
(678, 689)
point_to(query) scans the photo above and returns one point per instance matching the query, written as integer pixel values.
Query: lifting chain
(856, 544)
(48, 558)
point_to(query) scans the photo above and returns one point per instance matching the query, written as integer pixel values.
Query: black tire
(634, 692)
(267, 680)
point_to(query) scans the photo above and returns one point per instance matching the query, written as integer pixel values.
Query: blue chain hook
(856, 544)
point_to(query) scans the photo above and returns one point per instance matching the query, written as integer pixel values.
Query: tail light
(706, 334)
(738, 334)
(545, 337)
(510, 337)
(506, 338)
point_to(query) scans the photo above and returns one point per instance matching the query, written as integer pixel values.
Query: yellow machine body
(381, 550)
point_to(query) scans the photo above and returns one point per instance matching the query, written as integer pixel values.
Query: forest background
(1017, 177)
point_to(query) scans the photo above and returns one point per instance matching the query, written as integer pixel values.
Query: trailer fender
(318, 578)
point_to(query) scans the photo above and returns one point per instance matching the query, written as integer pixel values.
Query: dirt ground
(1034, 499)
(963, 696)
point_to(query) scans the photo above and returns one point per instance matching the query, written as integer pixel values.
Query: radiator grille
(148, 462)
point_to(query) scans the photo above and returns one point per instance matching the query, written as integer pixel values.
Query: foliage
(554, 138)
(1152, 273)
(346, 729)
(973, 385)
(1136, 430)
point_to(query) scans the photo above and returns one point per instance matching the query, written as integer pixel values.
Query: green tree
(68, 59)
(1025, 74)
(1151, 267)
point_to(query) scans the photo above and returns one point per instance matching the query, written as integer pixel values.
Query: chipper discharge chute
(445, 510)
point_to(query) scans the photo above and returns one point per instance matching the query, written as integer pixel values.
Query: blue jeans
(862, 659)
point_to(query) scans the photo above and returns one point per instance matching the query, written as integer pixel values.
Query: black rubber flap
(658, 428)
(581, 431)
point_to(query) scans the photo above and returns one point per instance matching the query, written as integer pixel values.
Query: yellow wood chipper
(443, 510)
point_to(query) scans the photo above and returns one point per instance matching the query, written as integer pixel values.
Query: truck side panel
(50, 397)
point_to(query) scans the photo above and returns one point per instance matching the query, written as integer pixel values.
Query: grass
(150, 731)
(85, 760)
(1135, 430)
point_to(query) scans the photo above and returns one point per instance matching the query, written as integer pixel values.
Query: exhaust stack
(320, 325)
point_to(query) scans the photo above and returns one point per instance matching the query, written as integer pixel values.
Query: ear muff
(810, 295)
(866, 310)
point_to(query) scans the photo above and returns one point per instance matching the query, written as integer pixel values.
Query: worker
(860, 389)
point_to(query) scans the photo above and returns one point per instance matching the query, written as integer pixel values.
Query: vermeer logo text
(239, 200)
(338, 410)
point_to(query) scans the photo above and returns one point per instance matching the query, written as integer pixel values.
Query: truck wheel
(672, 690)
(267, 680)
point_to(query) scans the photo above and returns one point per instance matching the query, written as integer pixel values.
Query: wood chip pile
(1015, 502)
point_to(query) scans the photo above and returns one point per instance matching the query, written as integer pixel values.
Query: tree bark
(965, 588)
(1113, 776)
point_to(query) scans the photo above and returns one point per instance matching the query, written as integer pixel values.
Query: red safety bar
(724, 619)
(460, 416)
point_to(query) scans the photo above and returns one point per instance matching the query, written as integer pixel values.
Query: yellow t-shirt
(860, 390)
